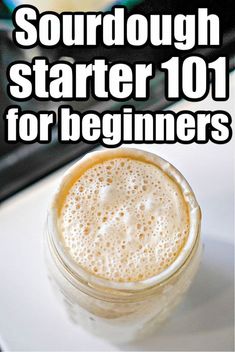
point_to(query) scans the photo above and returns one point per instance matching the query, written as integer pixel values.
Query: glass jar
(121, 311)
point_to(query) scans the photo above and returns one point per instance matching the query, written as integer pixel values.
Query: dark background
(21, 165)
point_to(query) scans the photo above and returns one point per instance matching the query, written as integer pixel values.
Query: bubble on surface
(124, 220)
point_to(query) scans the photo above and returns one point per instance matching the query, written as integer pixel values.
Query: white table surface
(32, 319)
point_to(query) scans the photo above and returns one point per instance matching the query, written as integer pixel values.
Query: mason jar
(121, 311)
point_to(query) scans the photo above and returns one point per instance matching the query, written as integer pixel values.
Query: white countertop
(32, 319)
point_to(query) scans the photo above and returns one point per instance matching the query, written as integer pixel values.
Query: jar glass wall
(121, 311)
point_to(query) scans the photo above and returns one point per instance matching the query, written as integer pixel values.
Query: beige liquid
(124, 220)
(122, 242)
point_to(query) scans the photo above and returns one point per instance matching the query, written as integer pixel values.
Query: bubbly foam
(124, 220)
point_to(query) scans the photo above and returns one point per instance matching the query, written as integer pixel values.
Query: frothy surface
(124, 220)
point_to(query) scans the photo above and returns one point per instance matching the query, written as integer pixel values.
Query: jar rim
(88, 278)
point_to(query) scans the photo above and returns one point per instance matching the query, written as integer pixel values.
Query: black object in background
(21, 165)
